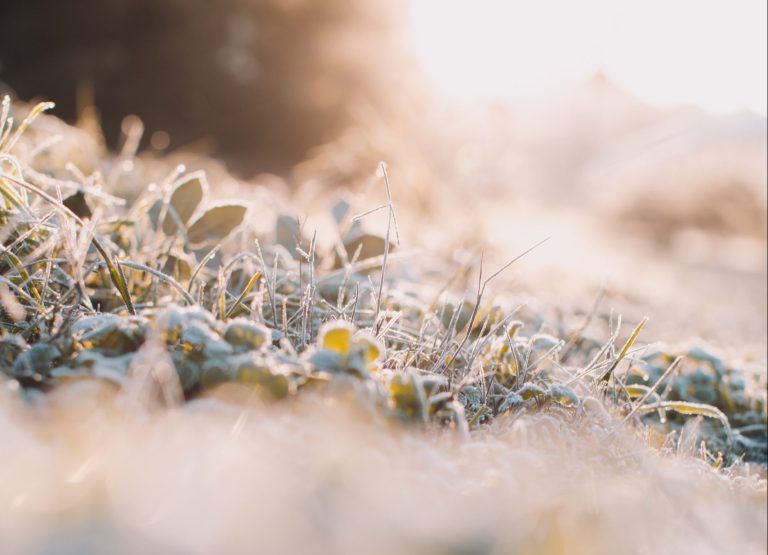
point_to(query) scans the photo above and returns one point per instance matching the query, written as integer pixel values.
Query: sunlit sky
(711, 53)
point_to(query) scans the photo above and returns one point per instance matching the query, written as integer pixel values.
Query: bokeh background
(633, 133)
(257, 82)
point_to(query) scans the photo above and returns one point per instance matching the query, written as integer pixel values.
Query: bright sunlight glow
(711, 53)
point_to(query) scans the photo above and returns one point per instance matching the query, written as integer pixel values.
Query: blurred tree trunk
(261, 81)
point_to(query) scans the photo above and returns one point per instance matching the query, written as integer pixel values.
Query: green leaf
(287, 232)
(260, 377)
(472, 396)
(111, 368)
(327, 360)
(371, 348)
(513, 400)
(247, 335)
(564, 395)
(11, 346)
(78, 204)
(531, 390)
(186, 197)
(114, 336)
(448, 313)
(702, 355)
(38, 359)
(544, 341)
(217, 223)
(406, 397)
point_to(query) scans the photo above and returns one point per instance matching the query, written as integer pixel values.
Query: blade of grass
(113, 272)
(36, 111)
(122, 285)
(638, 405)
(201, 265)
(246, 290)
(628, 345)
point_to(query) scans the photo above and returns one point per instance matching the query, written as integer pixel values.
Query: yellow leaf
(636, 390)
(336, 336)
(372, 348)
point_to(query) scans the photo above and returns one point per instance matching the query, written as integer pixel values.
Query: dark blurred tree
(261, 80)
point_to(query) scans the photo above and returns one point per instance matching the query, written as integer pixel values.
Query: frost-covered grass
(189, 367)
(329, 475)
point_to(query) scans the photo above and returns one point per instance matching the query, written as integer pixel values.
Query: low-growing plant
(88, 280)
